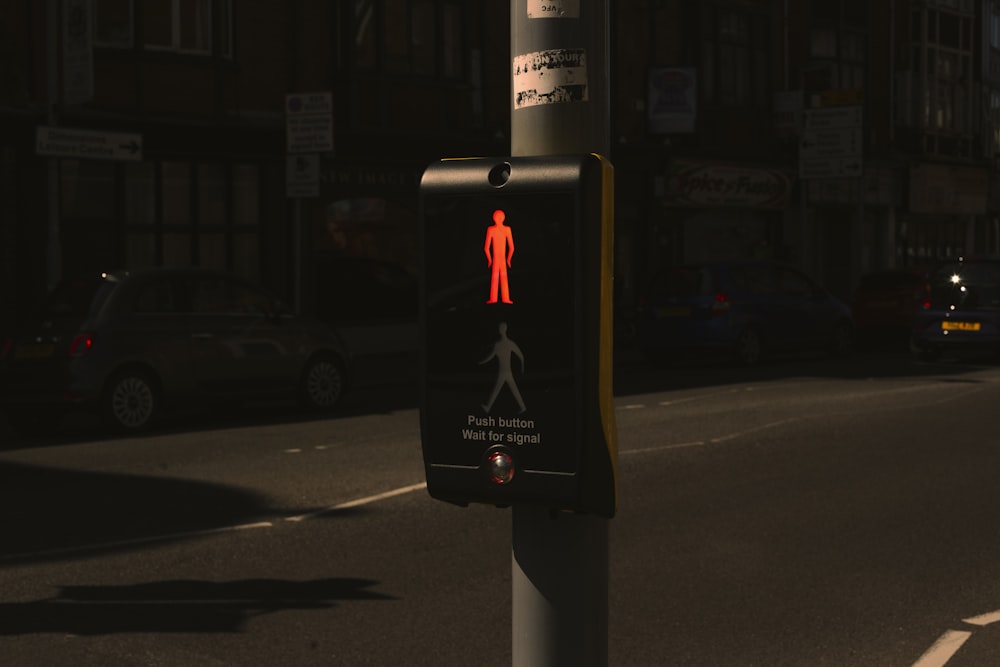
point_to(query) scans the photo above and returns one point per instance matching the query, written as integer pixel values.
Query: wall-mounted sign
(707, 184)
(672, 104)
(87, 144)
(309, 122)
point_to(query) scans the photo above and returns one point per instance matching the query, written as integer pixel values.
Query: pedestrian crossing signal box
(516, 403)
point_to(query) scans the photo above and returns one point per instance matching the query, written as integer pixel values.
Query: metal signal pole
(560, 105)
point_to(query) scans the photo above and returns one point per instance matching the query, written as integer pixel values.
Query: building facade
(285, 141)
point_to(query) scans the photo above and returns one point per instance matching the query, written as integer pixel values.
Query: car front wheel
(323, 383)
(130, 401)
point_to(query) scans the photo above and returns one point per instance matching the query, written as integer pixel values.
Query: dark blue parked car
(961, 311)
(742, 309)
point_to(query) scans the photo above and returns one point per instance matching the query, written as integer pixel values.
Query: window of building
(734, 58)
(942, 57)
(184, 26)
(422, 37)
(112, 22)
(180, 213)
(180, 26)
(837, 43)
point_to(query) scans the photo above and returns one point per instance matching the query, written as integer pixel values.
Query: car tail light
(721, 305)
(8, 343)
(81, 345)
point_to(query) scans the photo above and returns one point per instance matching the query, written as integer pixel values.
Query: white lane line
(983, 619)
(360, 501)
(632, 406)
(762, 427)
(659, 448)
(713, 441)
(944, 649)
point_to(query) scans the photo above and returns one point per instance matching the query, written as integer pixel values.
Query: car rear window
(76, 297)
(682, 282)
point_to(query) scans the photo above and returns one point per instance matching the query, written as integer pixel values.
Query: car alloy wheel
(322, 383)
(130, 402)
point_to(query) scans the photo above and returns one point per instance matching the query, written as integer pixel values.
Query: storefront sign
(706, 184)
(948, 189)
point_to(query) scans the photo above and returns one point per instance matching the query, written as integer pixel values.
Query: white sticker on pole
(553, 9)
(550, 77)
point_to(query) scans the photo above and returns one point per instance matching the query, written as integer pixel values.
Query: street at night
(806, 512)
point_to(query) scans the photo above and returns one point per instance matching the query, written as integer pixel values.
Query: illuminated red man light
(499, 248)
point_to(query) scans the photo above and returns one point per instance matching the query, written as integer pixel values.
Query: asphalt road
(813, 512)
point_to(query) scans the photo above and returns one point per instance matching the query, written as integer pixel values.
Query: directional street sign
(88, 144)
(818, 119)
(832, 143)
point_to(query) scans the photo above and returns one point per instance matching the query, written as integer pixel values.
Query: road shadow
(176, 606)
(47, 513)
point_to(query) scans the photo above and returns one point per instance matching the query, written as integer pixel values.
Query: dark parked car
(743, 309)
(962, 309)
(885, 302)
(129, 343)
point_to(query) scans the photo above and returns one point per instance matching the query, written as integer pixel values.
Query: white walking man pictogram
(504, 350)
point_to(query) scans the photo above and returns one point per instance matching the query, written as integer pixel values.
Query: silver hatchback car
(130, 344)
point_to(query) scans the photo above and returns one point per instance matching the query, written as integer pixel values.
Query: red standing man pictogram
(499, 248)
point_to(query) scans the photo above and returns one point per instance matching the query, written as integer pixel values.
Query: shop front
(714, 211)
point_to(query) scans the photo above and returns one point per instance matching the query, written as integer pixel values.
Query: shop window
(422, 37)
(246, 255)
(176, 193)
(364, 34)
(734, 59)
(211, 194)
(185, 214)
(177, 250)
(246, 195)
(397, 56)
(184, 26)
(87, 189)
(140, 193)
(140, 250)
(212, 250)
(112, 23)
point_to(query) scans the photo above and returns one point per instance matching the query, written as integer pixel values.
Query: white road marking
(762, 427)
(944, 649)
(292, 451)
(658, 448)
(983, 619)
(947, 645)
(360, 501)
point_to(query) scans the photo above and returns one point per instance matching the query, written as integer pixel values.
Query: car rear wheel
(323, 382)
(749, 349)
(130, 401)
